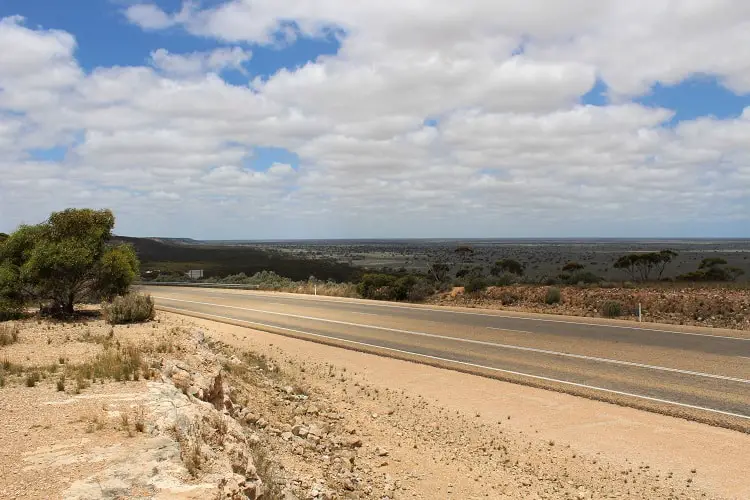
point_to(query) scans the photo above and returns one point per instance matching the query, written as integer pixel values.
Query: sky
(293, 119)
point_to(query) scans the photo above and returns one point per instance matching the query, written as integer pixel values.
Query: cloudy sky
(389, 118)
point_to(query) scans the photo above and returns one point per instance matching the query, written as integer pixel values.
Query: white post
(639, 312)
(315, 286)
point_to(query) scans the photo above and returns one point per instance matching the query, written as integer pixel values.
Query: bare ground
(321, 422)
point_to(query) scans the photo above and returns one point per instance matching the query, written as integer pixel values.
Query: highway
(697, 374)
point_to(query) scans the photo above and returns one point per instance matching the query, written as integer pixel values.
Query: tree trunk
(69, 303)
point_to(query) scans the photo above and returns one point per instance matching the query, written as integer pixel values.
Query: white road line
(508, 329)
(471, 313)
(364, 314)
(473, 365)
(470, 341)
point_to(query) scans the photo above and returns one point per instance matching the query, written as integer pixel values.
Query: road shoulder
(596, 432)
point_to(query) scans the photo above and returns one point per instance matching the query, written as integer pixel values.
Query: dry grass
(190, 447)
(139, 420)
(119, 364)
(95, 420)
(267, 472)
(9, 334)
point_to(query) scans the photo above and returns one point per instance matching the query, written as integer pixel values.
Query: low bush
(475, 285)
(8, 334)
(612, 309)
(420, 291)
(509, 298)
(131, 308)
(553, 296)
(505, 279)
(389, 287)
(32, 379)
(580, 277)
(10, 310)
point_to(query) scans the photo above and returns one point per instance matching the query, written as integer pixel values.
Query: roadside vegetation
(131, 308)
(572, 290)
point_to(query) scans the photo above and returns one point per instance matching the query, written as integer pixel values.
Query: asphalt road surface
(700, 374)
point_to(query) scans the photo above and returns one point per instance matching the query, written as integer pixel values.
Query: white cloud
(199, 63)
(513, 151)
(151, 17)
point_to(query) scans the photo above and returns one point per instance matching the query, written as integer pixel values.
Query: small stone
(353, 442)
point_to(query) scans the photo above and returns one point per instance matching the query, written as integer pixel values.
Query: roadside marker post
(639, 312)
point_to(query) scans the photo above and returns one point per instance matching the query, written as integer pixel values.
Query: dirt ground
(324, 423)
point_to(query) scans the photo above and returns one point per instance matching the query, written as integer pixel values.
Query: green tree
(507, 266)
(438, 270)
(66, 259)
(641, 265)
(713, 269)
(665, 257)
(628, 264)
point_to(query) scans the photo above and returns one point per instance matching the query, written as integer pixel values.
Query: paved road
(701, 375)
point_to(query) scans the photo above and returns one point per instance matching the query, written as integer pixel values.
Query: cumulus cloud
(447, 119)
(199, 63)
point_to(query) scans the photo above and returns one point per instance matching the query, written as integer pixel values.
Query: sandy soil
(606, 449)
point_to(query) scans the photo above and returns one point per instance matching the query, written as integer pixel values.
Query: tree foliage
(438, 271)
(65, 260)
(572, 267)
(640, 265)
(389, 287)
(507, 266)
(713, 269)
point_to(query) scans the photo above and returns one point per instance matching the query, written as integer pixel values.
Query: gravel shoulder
(609, 449)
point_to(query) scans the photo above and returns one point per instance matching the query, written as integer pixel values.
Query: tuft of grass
(190, 448)
(125, 423)
(8, 334)
(131, 308)
(139, 422)
(117, 364)
(267, 471)
(32, 379)
(553, 296)
(612, 309)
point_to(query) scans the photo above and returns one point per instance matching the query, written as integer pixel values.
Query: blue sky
(360, 125)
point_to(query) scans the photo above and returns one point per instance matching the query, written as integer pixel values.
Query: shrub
(376, 286)
(420, 291)
(131, 308)
(10, 310)
(581, 277)
(32, 379)
(475, 285)
(8, 334)
(553, 296)
(506, 279)
(509, 298)
(612, 309)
